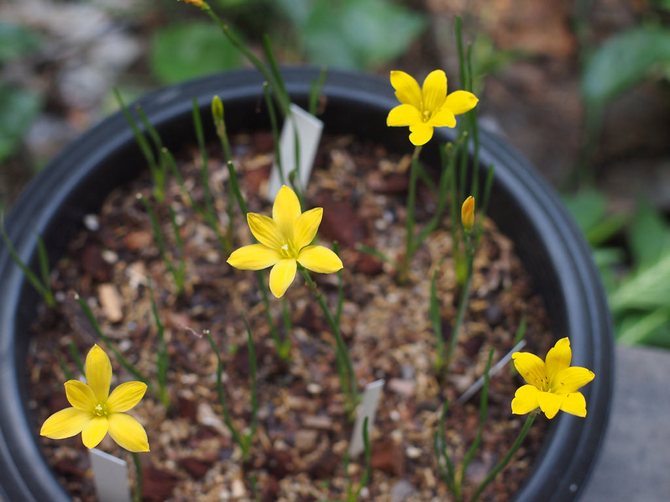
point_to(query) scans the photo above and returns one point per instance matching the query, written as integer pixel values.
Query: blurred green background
(580, 87)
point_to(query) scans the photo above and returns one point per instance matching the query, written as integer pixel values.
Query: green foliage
(355, 34)
(18, 107)
(16, 41)
(639, 296)
(623, 61)
(190, 50)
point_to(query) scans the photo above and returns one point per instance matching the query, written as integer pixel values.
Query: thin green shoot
(343, 360)
(76, 356)
(41, 285)
(315, 90)
(63, 367)
(274, 126)
(445, 465)
(353, 496)
(162, 356)
(483, 415)
(364, 248)
(127, 365)
(178, 272)
(160, 172)
(436, 322)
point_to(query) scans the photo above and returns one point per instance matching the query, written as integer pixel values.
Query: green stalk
(506, 459)
(42, 286)
(462, 302)
(139, 477)
(436, 321)
(127, 365)
(403, 272)
(227, 418)
(483, 414)
(268, 74)
(251, 351)
(275, 131)
(344, 365)
(76, 357)
(162, 357)
(315, 91)
(444, 464)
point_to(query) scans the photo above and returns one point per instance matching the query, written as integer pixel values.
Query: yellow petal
(320, 259)
(128, 432)
(253, 257)
(403, 115)
(98, 370)
(549, 403)
(306, 227)
(65, 423)
(531, 368)
(286, 210)
(80, 395)
(443, 118)
(575, 404)
(281, 276)
(461, 102)
(421, 134)
(525, 400)
(559, 357)
(434, 90)
(94, 431)
(406, 88)
(126, 396)
(569, 380)
(265, 230)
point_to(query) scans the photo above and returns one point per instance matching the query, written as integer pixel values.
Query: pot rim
(573, 443)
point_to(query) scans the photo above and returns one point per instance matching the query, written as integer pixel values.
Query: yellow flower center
(287, 250)
(425, 115)
(101, 410)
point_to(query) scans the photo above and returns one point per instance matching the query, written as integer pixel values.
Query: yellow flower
(95, 412)
(468, 213)
(284, 242)
(552, 384)
(423, 108)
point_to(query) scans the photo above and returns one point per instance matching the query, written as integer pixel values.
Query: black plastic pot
(523, 206)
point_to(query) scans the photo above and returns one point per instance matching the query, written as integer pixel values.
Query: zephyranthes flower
(95, 412)
(423, 108)
(284, 242)
(552, 384)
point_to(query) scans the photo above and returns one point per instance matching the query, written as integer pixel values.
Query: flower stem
(506, 459)
(139, 478)
(344, 366)
(403, 270)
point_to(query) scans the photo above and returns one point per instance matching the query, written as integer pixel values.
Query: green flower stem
(277, 85)
(227, 417)
(445, 466)
(463, 300)
(483, 415)
(283, 346)
(139, 477)
(436, 322)
(506, 459)
(403, 270)
(354, 495)
(43, 285)
(162, 357)
(344, 365)
(127, 365)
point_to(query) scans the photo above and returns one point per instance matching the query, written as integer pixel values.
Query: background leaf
(649, 236)
(358, 34)
(16, 41)
(191, 50)
(622, 61)
(18, 108)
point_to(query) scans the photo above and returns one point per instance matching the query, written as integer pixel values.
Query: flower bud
(217, 110)
(468, 213)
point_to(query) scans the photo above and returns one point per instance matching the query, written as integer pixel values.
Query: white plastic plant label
(110, 476)
(367, 408)
(308, 129)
